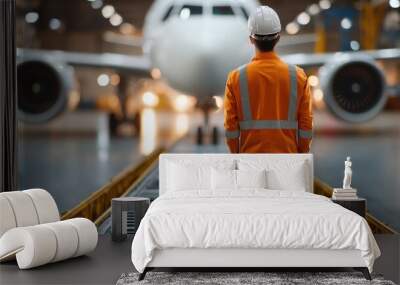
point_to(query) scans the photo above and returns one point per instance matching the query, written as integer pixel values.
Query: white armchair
(31, 230)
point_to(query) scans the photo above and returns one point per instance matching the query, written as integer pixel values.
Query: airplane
(193, 44)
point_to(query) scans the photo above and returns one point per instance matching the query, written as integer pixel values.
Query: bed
(246, 211)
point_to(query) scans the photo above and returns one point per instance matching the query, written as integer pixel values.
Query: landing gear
(200, 130)
(203, 130)
(215, 136)
(200, 136)
(121, 124)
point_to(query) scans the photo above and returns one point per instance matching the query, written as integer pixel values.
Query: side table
(126, 214)
(357, 205)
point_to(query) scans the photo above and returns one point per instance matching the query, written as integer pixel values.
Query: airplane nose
(196, 55)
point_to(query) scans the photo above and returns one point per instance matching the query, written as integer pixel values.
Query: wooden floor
(106, 264)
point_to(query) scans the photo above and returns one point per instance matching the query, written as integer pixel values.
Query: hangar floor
(72, 167)
(75, 154)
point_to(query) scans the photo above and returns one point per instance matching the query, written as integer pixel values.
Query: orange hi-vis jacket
(268, 107)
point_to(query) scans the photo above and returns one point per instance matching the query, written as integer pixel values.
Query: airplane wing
(316, 60)
(138, 65)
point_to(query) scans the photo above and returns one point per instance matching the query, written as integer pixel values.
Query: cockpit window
(222, 10)
(168, 13)
(244, 12)
(190, 10)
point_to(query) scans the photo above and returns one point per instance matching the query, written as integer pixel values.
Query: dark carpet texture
(243, 278)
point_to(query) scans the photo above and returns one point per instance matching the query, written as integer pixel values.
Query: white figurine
(347, 174)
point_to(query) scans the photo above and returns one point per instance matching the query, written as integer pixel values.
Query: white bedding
(251, 218)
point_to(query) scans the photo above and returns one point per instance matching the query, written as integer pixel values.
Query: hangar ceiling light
(313, 81)
(54, 24)
(303, 18)
(292, 28)
(325, 4)
(150, 99)
(108, 11)
(103, 80)
(394, 4)
(97, 4)
(115, 79)
(346, 23)
(31, 17)
(313, 9)
(355, 45)
(116, 19)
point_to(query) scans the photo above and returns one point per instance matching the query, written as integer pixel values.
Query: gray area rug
(229, 278)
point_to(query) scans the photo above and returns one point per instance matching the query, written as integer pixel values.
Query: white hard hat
(264, 21)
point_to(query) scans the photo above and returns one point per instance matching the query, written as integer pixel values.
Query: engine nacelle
(45, 89)
(353, 87)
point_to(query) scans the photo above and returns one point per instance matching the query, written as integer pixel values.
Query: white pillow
(226, 179)
(292, 179)
(251, 178)
(184, 174)
(181, 177)
(283, 174)
(223, 179)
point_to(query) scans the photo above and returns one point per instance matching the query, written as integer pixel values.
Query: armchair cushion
(31, 231)
(26, 208)
(40, 244)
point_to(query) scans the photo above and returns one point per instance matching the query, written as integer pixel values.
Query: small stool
(126, 214)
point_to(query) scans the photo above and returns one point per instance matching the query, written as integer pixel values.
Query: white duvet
(250, 219)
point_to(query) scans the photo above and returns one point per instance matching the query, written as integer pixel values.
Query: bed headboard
(213, 157)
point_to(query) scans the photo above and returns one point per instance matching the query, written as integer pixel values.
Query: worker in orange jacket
(267, 102)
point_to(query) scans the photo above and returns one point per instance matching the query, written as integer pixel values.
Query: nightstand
(126, 214)
(358, 205)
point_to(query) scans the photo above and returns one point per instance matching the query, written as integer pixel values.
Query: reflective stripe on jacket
(268, 107)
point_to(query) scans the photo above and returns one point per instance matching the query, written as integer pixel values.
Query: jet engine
(353, 87)
(45, 89)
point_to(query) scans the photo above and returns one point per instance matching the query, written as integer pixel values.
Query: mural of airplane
(194, 44)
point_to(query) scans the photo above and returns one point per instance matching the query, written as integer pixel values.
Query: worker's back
(268, 107)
